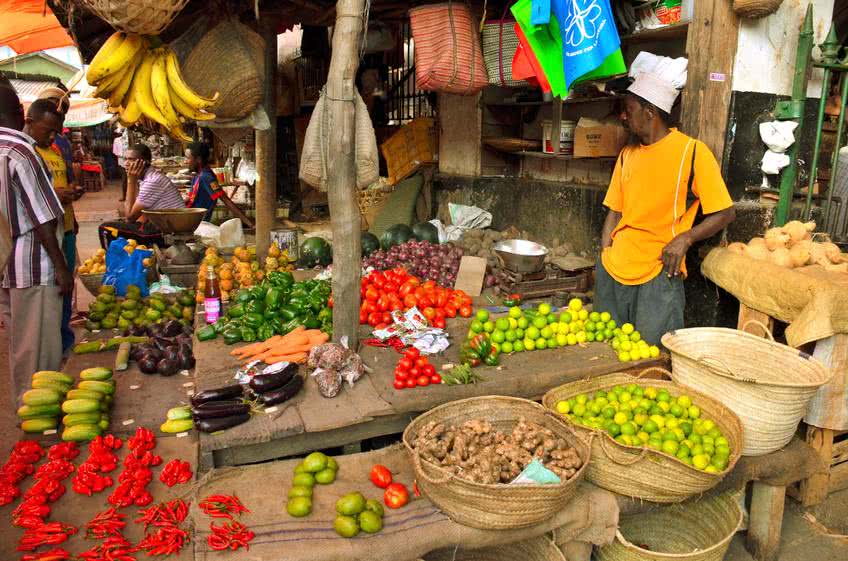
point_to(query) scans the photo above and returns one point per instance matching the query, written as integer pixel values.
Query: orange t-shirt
(649, 189)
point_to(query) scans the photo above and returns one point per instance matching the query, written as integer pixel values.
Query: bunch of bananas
(138, 80)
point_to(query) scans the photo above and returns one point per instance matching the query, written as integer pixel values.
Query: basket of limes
(699, 530)
(653, 440)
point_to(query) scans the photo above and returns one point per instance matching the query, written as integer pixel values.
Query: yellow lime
(563, 407)
(546, 332)
(581, 336)
(694, 412)
(575, 304)
(515, 312)
(659, 420)
(561, 339)
(529, 344)
(654, 351)
(605, 317)
(571, 339)
(582, 315)
(670, 447)
(626, 346)
(579, 409)
(635, 336)
(620, 418)
(518, 346)
(624, 356)
(684, 401)
(627, 328)
(711, 469)
(513, 323)
(700, 461)
(643, 436)
(651, 392)
(616, 344)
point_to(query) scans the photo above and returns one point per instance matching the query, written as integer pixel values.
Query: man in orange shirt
(656, 190)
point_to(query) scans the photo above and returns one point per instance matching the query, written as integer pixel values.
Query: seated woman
(147, 189)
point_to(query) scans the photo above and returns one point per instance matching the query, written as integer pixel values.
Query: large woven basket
(641, 472)
(537, 549)
(146, 17)
(494, 507)
(755, 9)
(92, 282)
(700, 530)
(767, 384)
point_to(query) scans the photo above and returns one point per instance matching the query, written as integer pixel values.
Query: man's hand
(674, 253)
(65, 280)
(66, 196)
(134, 168)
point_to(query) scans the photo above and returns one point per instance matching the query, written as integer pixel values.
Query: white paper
(778, 135)
(128, 422)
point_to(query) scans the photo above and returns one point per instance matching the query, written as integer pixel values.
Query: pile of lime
(318, 468)
(529, 330)
(356, 513)
(647, 417)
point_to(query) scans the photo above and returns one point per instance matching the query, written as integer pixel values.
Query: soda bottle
(212, 296)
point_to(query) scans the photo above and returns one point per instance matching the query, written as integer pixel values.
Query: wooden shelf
(674, 31)
(565, 101)
(546, 156)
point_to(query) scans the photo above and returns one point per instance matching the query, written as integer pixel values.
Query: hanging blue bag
(124, 269)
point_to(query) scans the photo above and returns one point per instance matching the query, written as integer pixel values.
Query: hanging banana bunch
(138, 80)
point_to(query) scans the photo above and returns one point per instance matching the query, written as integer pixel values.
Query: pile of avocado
(108, 311)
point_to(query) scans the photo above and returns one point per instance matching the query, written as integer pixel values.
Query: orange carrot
(256, 347)
(319, 338)
(295, 357)
(292, 349)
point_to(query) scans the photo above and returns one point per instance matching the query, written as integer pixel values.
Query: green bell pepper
(270, 313)
(280, 279)
(220, 325)
(235, 311)
(277, 325)
(299, 304)
(255, 306)
(273, 298)
(232, 335)
(309, 321)
(289, 312)
(265, 332)
(253, 320)
(248, 334)
(206, 333)
(288, 326)
(243, 296)
(257, 293)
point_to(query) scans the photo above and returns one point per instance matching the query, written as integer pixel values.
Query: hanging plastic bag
(124, 269)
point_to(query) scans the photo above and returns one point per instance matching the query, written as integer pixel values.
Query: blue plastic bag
(124, 269)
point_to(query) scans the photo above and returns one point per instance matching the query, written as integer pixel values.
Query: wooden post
(266, 145)
(341, 184)
(766, 521)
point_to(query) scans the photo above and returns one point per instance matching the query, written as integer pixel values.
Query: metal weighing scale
(178, 260)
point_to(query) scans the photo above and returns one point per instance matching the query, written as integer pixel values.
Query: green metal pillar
(794, 109)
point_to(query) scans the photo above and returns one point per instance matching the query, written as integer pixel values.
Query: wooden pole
(344, 207)
(266, 145)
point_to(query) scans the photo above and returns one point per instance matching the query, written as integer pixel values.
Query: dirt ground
(802, 541)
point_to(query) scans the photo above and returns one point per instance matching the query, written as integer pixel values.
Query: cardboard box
(598, 139)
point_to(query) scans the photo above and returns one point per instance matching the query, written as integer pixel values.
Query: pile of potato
(793, 246)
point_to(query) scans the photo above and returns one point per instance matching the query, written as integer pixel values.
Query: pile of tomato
(414, 370)
(395, 289)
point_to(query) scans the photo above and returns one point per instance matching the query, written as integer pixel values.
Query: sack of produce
(228, 59)
(767, 384)
(653, 440)
(466, 452)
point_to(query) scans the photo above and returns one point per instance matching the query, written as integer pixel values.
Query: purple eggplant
(221, 423)
(282, 394)
(217, 394)
(217, 409)
(262, 383)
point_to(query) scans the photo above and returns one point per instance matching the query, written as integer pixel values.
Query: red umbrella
(29, 25)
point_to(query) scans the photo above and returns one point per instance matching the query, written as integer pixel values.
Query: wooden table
(372, 407)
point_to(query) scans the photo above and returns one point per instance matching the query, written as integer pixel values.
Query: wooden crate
(832, 447)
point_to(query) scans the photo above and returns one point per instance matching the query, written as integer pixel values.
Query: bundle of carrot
(292, 347)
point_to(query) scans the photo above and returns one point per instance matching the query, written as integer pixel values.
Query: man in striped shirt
(36, 276)
(147, 189)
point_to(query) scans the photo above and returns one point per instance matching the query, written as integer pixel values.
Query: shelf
(674, 31)
(565, 101)
(546, 156)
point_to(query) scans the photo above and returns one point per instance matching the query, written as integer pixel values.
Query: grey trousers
(654, 308)
(32, 317)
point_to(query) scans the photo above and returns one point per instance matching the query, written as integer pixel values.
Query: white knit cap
(654, 90)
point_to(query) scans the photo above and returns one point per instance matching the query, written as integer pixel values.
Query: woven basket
(536, 549)
(695, 531)
(755, 8)
(92, 283)
(228, 59)
(146, 17)
(767, 384)
(494, 507)
(644, 473)
(500, 42)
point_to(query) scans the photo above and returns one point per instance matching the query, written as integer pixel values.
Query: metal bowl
(521, 256)
(176, 220)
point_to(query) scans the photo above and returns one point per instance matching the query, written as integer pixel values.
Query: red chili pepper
(230, 535)
(222, 506)
(56, 554)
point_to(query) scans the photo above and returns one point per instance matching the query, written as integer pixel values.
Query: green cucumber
(86, 394)
(32, 411)
(80, 406)
(172, 426)
(179, 413)
(79, 433)
(81, 419)
(42, 384)
(107, 388)
(40, 424)
(98, 373)
(41, 397)
(53, 375)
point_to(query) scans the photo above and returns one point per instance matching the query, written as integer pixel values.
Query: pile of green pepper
(479, 350)
(275, 307)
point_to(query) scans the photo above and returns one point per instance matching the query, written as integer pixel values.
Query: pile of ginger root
(476, 451)
(794, 245)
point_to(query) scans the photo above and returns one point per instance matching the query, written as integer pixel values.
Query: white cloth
(673, 70)
(829, 407)
(778, 135)
(773, 162)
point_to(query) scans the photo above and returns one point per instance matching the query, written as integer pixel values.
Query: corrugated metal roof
(28, 90)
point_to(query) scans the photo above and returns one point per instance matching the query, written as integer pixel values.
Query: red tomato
(374, 318)
(423, 380)
(363, 317)
(330, 302)
(371, 294)
(396, 495)
(406, 288)
(405, 363)
(466, 301)
(383, 303)
(465, 311)
(441, 298)
(410, 301)
(438, 323)
(381, 476)
(429, 285)
(434, 379)
(413, 372)
(390, 287)
(424, 301)
(429, 313)
(401, 373)
(378, 279)
(380, 326)
(428, 370)
(399, 384)
(386, 317)
(419, 291)
(421, 362)
(450, 311)
(440, 313)
(411, 353)
(371, 307)
(411, 383)
(396, 306)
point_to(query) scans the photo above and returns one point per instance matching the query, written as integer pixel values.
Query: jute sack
(313, 160)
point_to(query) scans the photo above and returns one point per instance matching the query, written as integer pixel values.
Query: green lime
(299, 506)
(552, 343)
(552, 319)
(298, 491)
(304, 480)
(315, 462)
(346, 526)
(374, 506)
(325, 476)
(518, 346)
(502, 324)
(510, 335)
(488, 326)
(515, 312)
(541, 344)
(532, 332)
(523, 322)
(539, 322)
(507, 347)
(351, 504)
(565, 317)
(519, 334)
(370, 522)
(590, 326)
(546, 332)
(476, 326)
(332, 464)
(482, 315)
(498, 336)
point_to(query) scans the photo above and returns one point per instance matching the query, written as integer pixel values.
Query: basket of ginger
(468, 453)
(794, 245)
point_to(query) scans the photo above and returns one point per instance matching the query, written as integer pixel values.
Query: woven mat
(408, 533)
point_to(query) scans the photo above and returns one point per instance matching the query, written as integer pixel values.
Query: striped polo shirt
(28, 200)
(156, 191)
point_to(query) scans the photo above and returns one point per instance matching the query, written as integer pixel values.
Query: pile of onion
(792, 246)
(425, 260)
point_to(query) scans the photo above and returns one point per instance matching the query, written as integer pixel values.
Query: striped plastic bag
(448, 57)
(500, 44)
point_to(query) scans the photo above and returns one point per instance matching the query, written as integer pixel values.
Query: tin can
(287, 239)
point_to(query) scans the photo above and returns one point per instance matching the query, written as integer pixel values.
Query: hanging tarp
(86, 113)
(28, 26)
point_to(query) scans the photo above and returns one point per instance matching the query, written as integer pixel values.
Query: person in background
(147, 189)
(650, 224)
(36, 275)
(205, 191)
(119, 146)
